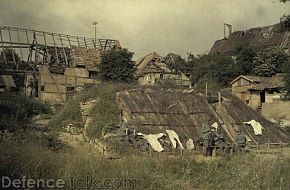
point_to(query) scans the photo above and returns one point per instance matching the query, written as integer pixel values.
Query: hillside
(256, 38)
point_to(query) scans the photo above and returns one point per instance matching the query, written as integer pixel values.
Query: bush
(17, 110)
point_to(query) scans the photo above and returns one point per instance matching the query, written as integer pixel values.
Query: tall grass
(17, 110)
(158, 172)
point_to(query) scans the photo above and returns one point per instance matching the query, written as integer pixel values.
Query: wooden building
(152, 70)
(255, 90)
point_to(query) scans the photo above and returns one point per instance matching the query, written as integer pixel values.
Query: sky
(144, 26)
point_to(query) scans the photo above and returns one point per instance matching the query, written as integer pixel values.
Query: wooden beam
(3, 49)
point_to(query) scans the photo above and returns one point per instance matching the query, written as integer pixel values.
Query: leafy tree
(117, 65)
(285, 22)
(265, 70)
(218, 67)
(273, 59)
(244, 60)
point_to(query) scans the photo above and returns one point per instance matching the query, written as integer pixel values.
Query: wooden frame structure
(39, 47)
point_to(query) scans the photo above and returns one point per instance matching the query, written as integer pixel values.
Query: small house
(255, 90)
(152, 70)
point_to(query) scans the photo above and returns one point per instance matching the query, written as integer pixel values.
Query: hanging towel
(173, 138)
(256, 126)
(189, 144)
(153, 140)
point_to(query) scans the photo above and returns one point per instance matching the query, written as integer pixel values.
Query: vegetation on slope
(105, 113)
(16, 110)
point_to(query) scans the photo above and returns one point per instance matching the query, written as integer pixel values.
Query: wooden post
(63, 49)
(206, 89)
(268, 145)
(13, 56)
(220, 99)
(3, 49)
(55, 49)
(280, 144)
(20, 46)
(45, 43)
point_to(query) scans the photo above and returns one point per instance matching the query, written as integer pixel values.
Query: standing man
(240, 141)
(206, 138)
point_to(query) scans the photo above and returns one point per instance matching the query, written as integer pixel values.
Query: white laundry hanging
(153, 140)
(173, 138)
(256, 126)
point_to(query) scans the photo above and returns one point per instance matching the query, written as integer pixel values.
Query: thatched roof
(152, 63)
(235, 112)
(153, 110)
(256, 38)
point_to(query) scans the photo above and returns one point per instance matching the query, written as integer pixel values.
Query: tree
(117, 65)
(244, 60)
(270, 61)
(285, 22)
(219, 68)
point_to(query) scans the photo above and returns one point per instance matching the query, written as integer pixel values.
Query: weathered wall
(153, 78)
(255, 100)
(276, 110)
(270, 98)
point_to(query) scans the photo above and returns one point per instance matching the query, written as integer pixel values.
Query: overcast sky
(144, 26)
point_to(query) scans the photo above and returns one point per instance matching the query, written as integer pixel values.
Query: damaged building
(152, 70)
(52, 65)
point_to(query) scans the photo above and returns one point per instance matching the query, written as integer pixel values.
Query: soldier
(206, 138)
(220, 142)
(240, 141)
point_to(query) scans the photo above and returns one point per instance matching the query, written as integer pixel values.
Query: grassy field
(41, 155)
(22, 156)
